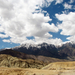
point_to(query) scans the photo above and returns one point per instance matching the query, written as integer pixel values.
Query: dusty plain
(67, 68)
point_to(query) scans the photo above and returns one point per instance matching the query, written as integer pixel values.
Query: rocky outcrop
(9, 61)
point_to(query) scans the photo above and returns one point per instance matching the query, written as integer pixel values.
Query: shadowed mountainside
(43, 49)
(13, 53)
(27, 56)
(66, 51)
(43, 52)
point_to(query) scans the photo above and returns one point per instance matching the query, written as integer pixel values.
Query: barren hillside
(60, 66)
(10, 61)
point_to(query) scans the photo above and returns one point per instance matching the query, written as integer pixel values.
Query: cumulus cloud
(68, 25)
(72, 38)
(3, 36)
(56, 41)
(71, 1)
(6, 40)
(25, 18)
(67, 6)
(58, 1)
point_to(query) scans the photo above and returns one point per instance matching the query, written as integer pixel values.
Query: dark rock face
(67, 51)
(44, 50)
(13, 53)
(28, 56)
(64, 52)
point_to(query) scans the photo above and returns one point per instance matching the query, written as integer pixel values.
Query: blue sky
(36, 21)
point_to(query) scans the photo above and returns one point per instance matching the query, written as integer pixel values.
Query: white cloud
(68, 25)
(58, 1)
(71, 1)
(3, 36)
(72, 38)
(67, 6)
(6, 40)
(18, 21)
(56, 41)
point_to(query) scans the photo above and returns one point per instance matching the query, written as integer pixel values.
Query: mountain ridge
(66, 51)
(21, 55)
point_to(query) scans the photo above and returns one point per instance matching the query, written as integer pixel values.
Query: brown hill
(10, 61)
(60, 66)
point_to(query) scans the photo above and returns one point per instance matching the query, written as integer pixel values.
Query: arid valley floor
(58, 68)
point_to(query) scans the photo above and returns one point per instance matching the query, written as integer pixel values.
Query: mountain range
(43, 52)
(66, 51)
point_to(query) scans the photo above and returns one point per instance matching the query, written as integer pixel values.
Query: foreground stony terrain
(57, 68)
(10, 65)
(21, 71)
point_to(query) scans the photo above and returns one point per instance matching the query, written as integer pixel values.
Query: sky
(36, 21)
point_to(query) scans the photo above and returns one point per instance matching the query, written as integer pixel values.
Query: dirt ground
(21, 71)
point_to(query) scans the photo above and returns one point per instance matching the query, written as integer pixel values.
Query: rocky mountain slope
(66, 51)
(42, 51)
(28, 56)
